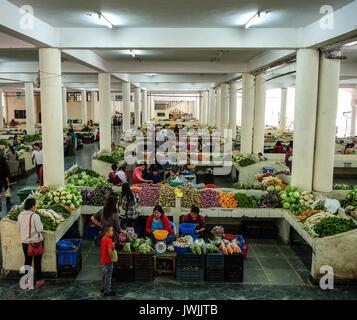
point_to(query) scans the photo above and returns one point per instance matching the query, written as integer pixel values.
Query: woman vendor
(158, 221)
(197, 219)
(172, 176)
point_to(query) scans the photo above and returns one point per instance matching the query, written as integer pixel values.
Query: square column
(307, 74)
(212, 106)
(105, 108)
(224, 107)
(246, 137)
(64, 107)
(126, 106)
(233, 109)
(329, 77)
(93, 100)
(217, 122)
(204, 106)
(137, 107)
(84, 107)
(30, 109)
(1, 110)
(283, 102)
(145, 106)
(259, 114)
(52, 117)
(353, 113)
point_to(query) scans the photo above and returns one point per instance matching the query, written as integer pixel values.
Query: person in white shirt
(31, 227)
(121, 175)
(37, 155)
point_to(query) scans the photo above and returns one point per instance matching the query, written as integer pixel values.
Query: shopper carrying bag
(31, 227)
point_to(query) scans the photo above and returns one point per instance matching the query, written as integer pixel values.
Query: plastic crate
(146, 274)
(69, 257)
(234, 261)
(190, 275)
(69, 271)
(91, 232)
(143, 261)
(124, 274)
(215, 260)
(190, 260)
(214, 275)
(233, 275)
(125, 260)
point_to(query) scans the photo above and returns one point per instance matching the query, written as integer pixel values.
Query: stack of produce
(333, 225)
(271, 200)
(115, 156)
(167, 196)
(226, 200)
(22, 147)
(149, 195)
(198, 247)
(295, 201)
(145, 247)
(307, 214)
(342, 187)
(191, 197)
(230, 247)
(241, 186)
(244, 201)
(209, 198)
(31, 137)
(273, 181)
(243, 160)
(96, 197)
(312, 220)
(83, 179)
(59, 208)
(67, 195)
(181, 242)
(260, 177)
(351, 200)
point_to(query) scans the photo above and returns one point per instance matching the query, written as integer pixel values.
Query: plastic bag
(115, 256)
(8, 193)
(332, 205)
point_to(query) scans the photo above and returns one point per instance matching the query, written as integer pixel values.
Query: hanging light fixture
(98, 17)
(256, 18)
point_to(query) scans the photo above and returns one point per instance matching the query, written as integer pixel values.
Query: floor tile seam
(261, 265)
(292, 267)
(86, 257)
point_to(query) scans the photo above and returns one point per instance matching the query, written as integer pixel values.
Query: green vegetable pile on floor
(333, 225)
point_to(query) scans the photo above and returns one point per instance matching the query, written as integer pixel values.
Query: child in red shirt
(106, 259)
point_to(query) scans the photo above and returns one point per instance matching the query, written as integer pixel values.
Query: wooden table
(167, 256)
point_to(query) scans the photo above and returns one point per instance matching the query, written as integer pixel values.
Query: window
(20, 114)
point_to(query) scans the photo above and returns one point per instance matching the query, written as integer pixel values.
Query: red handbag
(34, 249)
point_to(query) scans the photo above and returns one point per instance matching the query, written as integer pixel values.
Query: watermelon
(238, 186)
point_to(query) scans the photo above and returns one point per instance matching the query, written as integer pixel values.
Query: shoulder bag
(34, 249)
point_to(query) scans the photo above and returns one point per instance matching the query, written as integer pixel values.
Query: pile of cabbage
(83, 179)
(67, 195)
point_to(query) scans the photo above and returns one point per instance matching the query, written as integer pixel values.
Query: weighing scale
(160, 236)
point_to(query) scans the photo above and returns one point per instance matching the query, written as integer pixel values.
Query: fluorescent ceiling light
(258, 17)
(102, 20)
(351, 44)
(132, 53)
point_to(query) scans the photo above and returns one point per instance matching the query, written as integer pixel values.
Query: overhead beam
(268, 58)
(174, 78)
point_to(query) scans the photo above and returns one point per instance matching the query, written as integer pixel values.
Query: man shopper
(37, 155)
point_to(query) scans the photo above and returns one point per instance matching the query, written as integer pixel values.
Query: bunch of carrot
(307, 214)
(136, 190)
(230, 248)
(226, 200)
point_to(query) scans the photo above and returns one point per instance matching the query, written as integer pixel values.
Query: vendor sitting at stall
(154, 175)
(138, 175)
(117, 176)
(172, 176)
(279, 148)
(197, 219)
(158, 221)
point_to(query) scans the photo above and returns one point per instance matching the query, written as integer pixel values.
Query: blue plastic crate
(241, 241)
(91, 232)
(70, 257)
(269, 170)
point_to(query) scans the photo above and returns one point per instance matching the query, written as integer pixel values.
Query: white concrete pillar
(84, 107)
(246, 137)
(105, 125)
(1, 109)
(153, 114)
(329, 76)
(96, 107)
(190, 107)
(149, 107)
(353, 113)
(145, 106)
(30, 108)
(93, 97)
(307, 73)
(283, 103)
(233, 108)
(64, 107)
(224, 107)
(217, 122)
(137, 107)
(259, 114)
(52, 117)
(205, 107)
(126, 106)
(212, 106)
(200, 116)
(197, 108)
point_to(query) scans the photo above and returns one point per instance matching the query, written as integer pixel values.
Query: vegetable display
(209, 198)
(244, 201)
(333, 225)
(271, 200)
(4, 142)
(115, 156)
(31, 137)
(167, 196)
(83, 179)
(240, 186)
(227, 200)
(149, 195)
(337, 186)
(243, 160)
(229, 248)
(67, 195)
(190, 197)
(97, 196)
(22, 147)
